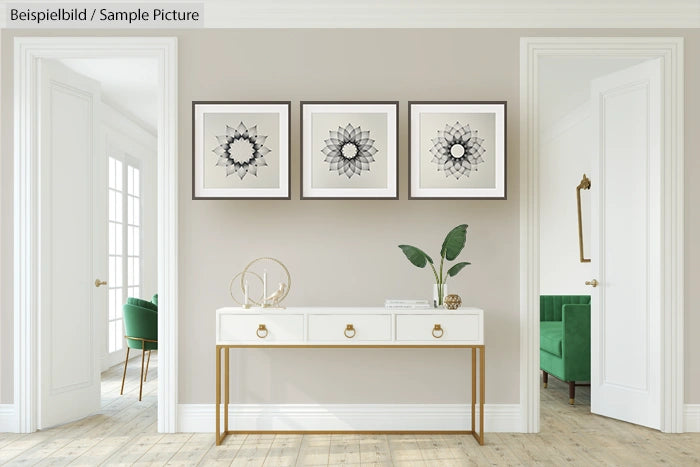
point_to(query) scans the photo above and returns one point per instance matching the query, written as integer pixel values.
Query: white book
(415, 305)
(406, 302)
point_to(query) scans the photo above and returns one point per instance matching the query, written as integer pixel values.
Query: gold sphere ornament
(453, 301)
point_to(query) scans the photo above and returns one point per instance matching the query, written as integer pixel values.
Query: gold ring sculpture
(230, 286)
(276, 298)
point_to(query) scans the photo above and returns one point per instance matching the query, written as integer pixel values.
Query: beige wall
(344, 252)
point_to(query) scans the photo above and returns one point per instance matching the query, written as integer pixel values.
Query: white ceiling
(437, 13)
(128, 84)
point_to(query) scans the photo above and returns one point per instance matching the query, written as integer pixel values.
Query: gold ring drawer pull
(438, 329)
(349, 329)
(262, 331)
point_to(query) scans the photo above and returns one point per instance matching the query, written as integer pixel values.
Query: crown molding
(468, 14)
(453, 14)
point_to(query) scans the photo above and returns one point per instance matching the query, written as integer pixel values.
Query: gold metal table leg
(226, 388)
(473, 352)
(482, 392)
(479, 436)
(218, 395)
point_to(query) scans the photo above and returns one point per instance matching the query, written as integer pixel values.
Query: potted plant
(451, 248)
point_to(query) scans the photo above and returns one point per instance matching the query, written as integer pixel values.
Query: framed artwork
(240, 150)
(457, 150)
(349, 150)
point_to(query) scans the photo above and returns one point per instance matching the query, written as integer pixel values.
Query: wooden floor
(125, 433)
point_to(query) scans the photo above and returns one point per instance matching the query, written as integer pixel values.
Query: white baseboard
(201, 418)
(348, 417)
(692, 418)
(8, 421)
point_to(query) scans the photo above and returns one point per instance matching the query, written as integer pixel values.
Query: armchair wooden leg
(147, 362)
(572, 392)
(124, 376)
(545, 378)
(143, 354)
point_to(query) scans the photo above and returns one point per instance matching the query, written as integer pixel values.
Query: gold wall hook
(584, 185)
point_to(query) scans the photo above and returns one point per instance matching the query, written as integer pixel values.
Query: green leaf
(454, 242)
(454, 270)
(416, 256)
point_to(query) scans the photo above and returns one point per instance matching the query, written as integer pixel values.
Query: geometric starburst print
(457, 150)
(349, 150)
(241, 150)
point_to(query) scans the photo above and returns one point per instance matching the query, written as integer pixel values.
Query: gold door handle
(349, 328)
(261, 329)
(437, 329)
(584, 185)
(99, 282)
(592, 283)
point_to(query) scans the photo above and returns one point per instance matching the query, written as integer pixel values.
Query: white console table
(324, 327)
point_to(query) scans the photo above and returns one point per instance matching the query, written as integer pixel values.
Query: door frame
(27, 255)
(670, 50)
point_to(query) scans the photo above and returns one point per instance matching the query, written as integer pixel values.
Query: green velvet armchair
(565, 339)
(141, 327)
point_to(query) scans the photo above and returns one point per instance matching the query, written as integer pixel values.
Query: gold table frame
(226, 347)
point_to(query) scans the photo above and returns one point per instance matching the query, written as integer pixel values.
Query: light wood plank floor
(125, 433)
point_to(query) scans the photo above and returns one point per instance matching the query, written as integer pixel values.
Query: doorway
(538, 207)
(599, 150)
(87, 61)
(126, 211)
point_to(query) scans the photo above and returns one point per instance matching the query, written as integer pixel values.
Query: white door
(626, 245)
(73, 246)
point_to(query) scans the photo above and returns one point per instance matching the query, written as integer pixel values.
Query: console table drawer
(261, 329)
(437, 328)
(350, 328)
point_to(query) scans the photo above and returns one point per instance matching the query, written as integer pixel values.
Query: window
(124, 193)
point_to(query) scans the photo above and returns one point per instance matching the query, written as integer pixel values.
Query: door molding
(670, 50)
(27, 256)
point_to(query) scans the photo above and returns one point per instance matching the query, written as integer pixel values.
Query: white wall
(565, 155)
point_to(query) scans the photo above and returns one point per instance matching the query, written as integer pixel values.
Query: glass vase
(439, 294)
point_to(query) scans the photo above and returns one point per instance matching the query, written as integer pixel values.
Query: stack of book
(407, 304)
